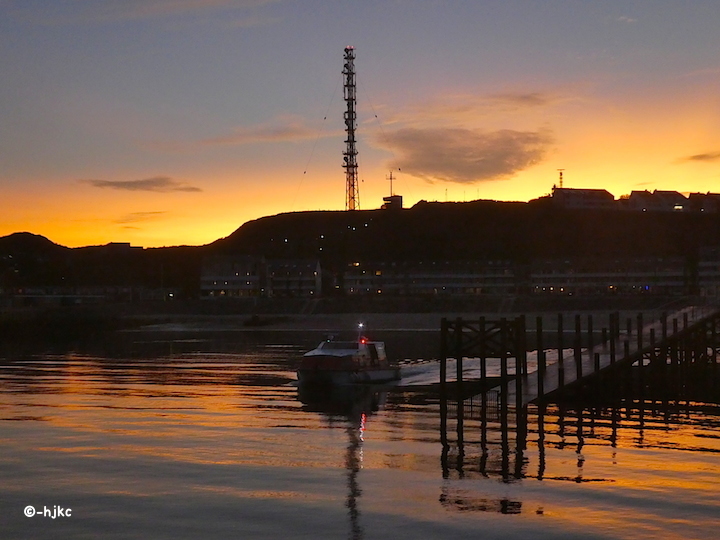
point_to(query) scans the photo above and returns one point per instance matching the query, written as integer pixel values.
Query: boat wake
(427, 372)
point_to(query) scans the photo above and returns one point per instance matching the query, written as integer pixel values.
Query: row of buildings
(637, 201)
(255, 276)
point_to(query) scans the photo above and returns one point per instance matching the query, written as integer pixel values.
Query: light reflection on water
(220, 444)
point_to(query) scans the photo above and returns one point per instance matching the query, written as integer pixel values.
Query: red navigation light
(363, 340)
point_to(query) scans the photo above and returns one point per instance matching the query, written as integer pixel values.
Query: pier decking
(687, 336)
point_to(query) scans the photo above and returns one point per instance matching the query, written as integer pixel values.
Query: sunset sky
(165, 122)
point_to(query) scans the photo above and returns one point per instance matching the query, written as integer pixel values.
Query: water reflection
(222, 434)
(483, 440)
(353, 404)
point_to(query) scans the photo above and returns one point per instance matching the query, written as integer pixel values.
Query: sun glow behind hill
(176, 123)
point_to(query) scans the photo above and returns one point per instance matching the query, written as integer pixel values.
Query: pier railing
(688, 336)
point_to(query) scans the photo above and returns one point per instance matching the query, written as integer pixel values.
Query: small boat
(347, 362)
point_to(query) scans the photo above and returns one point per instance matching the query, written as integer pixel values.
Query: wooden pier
(690, 336)
(628, 367)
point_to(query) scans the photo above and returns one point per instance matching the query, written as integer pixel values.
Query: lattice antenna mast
(352, 199)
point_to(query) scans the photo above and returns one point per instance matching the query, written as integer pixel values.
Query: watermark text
(52, 512)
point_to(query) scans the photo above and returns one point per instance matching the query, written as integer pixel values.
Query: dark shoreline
(409, 325)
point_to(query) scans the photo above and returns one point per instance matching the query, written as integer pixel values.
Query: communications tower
(352, 199)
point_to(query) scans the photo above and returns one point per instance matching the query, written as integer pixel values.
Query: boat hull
(342, 377)
(342, 363)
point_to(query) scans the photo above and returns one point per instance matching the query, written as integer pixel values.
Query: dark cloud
(284, 129)
(709, 156)
(95, 11)
(291, 130)
(457, 109)
(464, 155)
(524, 100)
(161, 184)
(135, 217)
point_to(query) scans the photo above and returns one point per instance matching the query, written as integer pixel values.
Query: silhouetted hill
(478, 230)
(483, 230)
(25, 242)
(30, 260)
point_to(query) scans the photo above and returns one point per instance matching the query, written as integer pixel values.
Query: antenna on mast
(391, 187)
(352, 201)
(561, 177)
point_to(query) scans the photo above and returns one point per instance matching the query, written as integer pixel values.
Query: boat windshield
(337, 345)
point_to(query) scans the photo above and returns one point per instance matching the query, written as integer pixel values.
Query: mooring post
(578, 347)
(503, 353)
(483, 353)
(664, 337)
(520, 360)
(653, 356)
(713, 337)
(503, 372)
(459, 393)
(685, 321)
(560, 348)
(604, 333)
(616, 325)
(443, 354)
(628, 363)
(443, 389)
(641, 356)
(520, 440)
(597, 363)
(460, 431)
(612, 349)
(629, 326)
(590, 339)
(522, 342)
(459, 353)
(540, 356)
(541, 439)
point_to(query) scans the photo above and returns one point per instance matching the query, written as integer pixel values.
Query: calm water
(163, 438)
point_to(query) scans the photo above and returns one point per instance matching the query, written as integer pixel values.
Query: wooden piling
(483, 353)
(443, 354)
(503, 377)
(521, 343)
(675, 356)
(540, 356)
(628, 364)
(590, 337)
(560, 347)
(578, 347)
(653, 356)
(714, 345)
(641, 356)
(458, 354)
(520, 364)
(443, 387)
